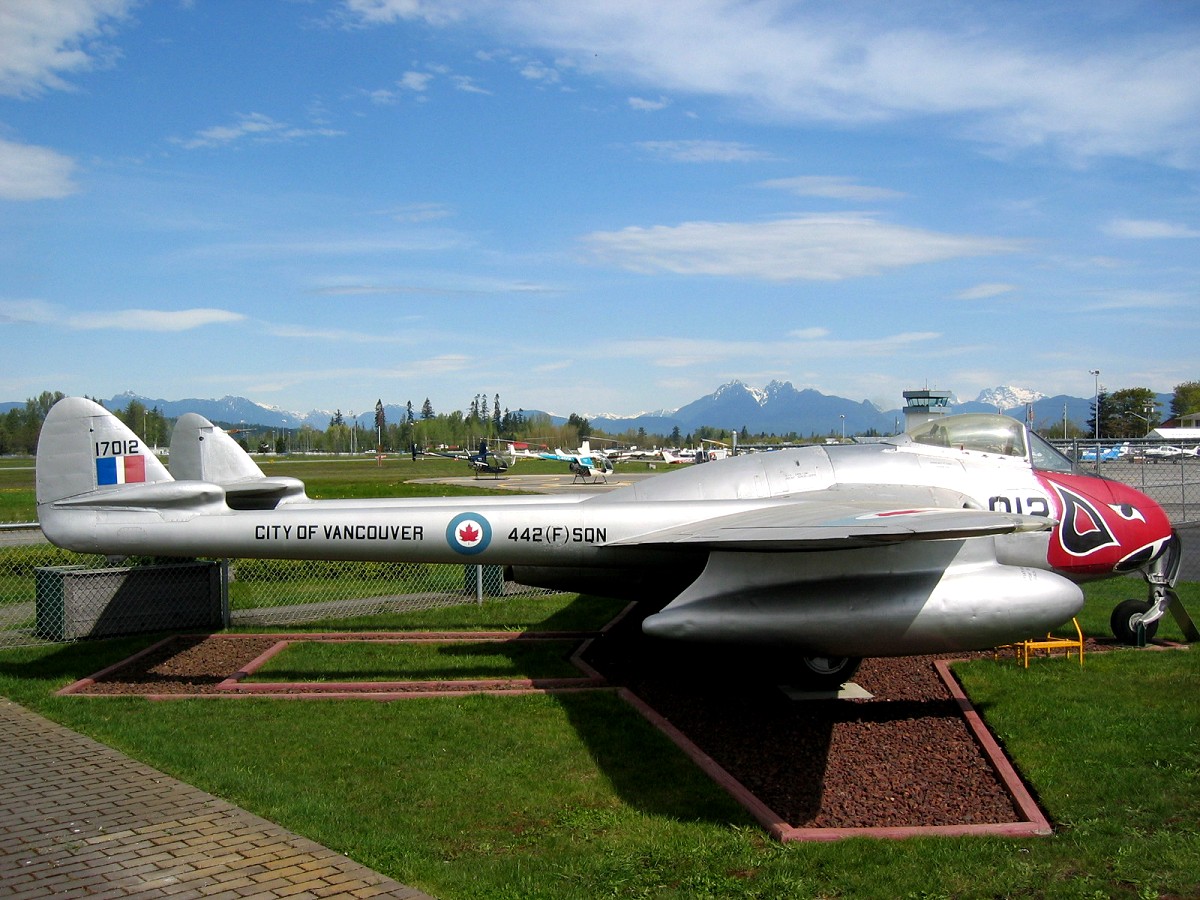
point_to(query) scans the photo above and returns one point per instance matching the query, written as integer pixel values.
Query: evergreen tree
(1186, 399)
(1129, 412)
(581, 425)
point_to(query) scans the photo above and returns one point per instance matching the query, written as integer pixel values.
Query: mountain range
(779, 409)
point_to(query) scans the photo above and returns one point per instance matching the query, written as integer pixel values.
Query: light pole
(843, 429)
(1096, 374)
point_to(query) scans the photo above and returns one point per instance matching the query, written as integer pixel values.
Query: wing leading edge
(844, 517)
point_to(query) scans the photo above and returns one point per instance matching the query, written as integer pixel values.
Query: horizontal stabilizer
(264, 493)
(159, 495)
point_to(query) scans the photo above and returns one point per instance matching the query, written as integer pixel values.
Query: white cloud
(27, 312)
(985, 291)
(152, 319)
(1140, 229)
(834, 187)
(28, 172)
(253, 126)
(1065, 84)
(377, 12)
(1134, 300)
(815, 247)
(417, 240)
(42, 40)
(704, 151)
(39, 312)
(339, 335)
(643, 105)
(809, 334)
(382, 96)
(421, 212)
(539, 71)
(467, 84)
(415, 81)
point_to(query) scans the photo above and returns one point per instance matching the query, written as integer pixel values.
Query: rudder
(84, 448)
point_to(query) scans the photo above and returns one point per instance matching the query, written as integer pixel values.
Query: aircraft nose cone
(1105, 526)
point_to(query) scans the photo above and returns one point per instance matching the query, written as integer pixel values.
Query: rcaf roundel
(468, 533)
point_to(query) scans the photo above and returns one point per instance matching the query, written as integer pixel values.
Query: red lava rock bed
(903, 759)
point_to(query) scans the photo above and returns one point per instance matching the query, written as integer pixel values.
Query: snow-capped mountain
(227, 411)
(1006, 397)
(779, 408)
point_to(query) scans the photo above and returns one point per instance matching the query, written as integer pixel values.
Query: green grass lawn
(576, 796)
(309, 661)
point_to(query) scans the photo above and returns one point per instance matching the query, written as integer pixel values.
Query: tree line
(1125, 413)
(1134, 412)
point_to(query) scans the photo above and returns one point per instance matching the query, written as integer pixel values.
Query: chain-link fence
(48, 594)
(1167, 472)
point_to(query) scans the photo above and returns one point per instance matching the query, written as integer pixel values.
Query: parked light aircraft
(1104, 454)
(966, 533)
(711, 451)
(1168, 451)
(678, 458)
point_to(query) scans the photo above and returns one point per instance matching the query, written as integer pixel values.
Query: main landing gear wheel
(825, 673)
(1124, 629)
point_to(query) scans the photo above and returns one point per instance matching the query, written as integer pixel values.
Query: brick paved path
(79, 819)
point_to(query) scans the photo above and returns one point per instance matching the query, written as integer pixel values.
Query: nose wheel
(1126, 620)
(1135, 621)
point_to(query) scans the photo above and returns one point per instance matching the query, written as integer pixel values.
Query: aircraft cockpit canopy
(981, 432)
(994, 434)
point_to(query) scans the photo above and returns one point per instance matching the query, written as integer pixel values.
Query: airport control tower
(923, 405)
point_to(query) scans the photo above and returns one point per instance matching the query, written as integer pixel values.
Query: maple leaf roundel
(468, 533)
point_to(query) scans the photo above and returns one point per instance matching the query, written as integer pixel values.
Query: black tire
(824, 673)
(1123, 629)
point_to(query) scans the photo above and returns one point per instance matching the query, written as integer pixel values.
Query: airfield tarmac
(544, 484)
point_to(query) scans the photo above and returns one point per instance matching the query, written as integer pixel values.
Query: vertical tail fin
(85, 448)
(200, 451)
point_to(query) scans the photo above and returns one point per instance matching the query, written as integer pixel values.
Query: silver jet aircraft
(966, 533)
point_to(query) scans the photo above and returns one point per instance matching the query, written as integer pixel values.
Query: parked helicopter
(587, 463)
(484, 461)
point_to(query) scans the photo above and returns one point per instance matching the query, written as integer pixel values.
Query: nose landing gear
(1135, 622)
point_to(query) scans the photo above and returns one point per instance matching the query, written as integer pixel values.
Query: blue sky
(595, 207)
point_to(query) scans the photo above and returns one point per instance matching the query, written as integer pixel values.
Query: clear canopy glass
(987, 433)
(974, 431)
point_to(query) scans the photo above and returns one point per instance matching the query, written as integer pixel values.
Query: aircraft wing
(844, 517)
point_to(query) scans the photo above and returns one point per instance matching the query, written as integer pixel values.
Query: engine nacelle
(971, 604)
